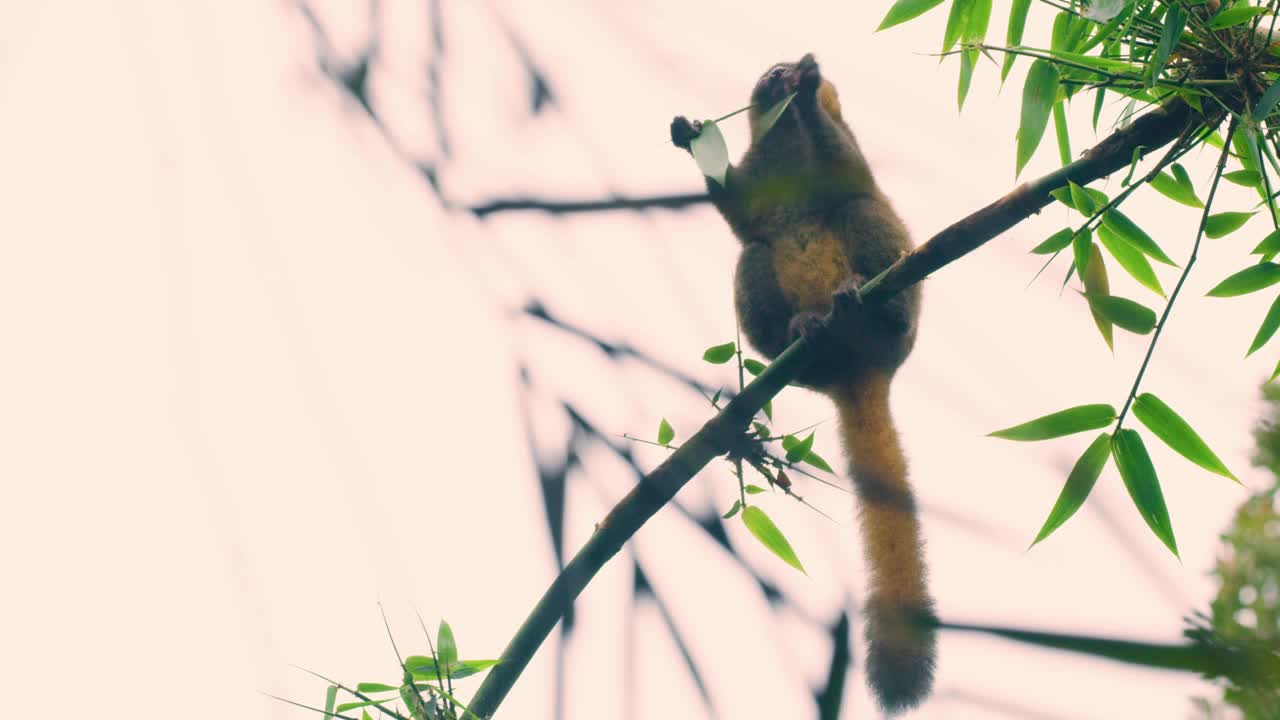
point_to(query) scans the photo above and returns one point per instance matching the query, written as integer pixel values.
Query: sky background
(258, 378)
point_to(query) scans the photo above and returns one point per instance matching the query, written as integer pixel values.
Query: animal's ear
(829, 99)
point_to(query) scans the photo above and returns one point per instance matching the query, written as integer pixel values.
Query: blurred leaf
(423, 667)
(1080, 199)
(1080, 251)
(446, 646)
(1268, 328)
(1096, 282)
(1064, 422)
(1132, 316)
(1164, 184)
(1128, 230)
(770, 536)
(755, 367)
(737, 505)
(1267, 102)
(665, 432)
(957, 23)
(1064, 138)
(1096, 197)
(800, 450)
(1224, 223)
(1169, 426)
(1174, 21)
(1237, 15)
(1144, 487)
(767, 409)
(967, 60)
(1251, 279)
(330, 699)
(904, 10)
(719, 354)
(1013, 36)
(1038, 95)
(370, 687)
(1133, 261)
(1079, 483)
(1054, 243)
(753, 489)
(816, 460)
(710, 152)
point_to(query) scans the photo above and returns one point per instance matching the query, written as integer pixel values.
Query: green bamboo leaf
(770, 116)
(800, 450)
(719, 354)
(737, 505)
(968, 59)
(1133, 261)
(755, 367)
(666, 433)
(1080, 482)
(1237, 15)
(1224, 223)
(1128, 230)
(753, 489)
(710, 152)
(1054, 243)
(1268, 328)
(1080, 250)
(1183, 177)
(1080, 199)
(1267, 102)
(975, 31)
(370, 687)
(1096, 282)
(1127, 314)
(1063, 195)
(1174, 21)
(1064, 422)
(446, 646)
(770, 536)
(1251, 279)
(1245, 178)
(767, 409)
(1064, 138)
(330, 699)
(1164, 184)
(1140, 480)
(1061, 30)
(1270, 244)
(1169, 426)
(1013, 36)
(1101, 64)
(1099, 99)
(423, 667)
(816, 460)
(905, 10)
(957, 23)
(1038, 95)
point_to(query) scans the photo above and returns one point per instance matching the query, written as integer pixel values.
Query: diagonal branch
(1146, 134)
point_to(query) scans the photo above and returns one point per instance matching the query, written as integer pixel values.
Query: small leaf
(767, 409)
(753, 489)
(816, 460)
(1079, 484)
(1251, 279)
(1245, 178)
(369, 687)
(1038, 95)
(761, 429)
(1064, 422)
(1133, 261)
(1096, 197)
(1132, 316)
(666, 433)
(1270, 244)
(755, 367)
(1096, 282)
(1169, 426)
(968, 58)
(1221, 224)
(1267, 102)
(957, 23)
(719, 354)
(710, 152)
(330, 699)
(1268, 328)
(1013, 36)
(1080, 199)
(1080, 251)
(1064, 139)
(1174, 21)
(770, 536)
(1128, 230)
(737, 505)
(904, 10)
(423, 667)
(1144, 487)
(800, 450)
(1237, 15)
(716, 398)
(1164, 184)
(446, 646)
(770, 116)
(1054, 243)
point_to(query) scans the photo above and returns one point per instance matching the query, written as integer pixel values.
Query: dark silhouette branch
(610, 204)
(1147, 133)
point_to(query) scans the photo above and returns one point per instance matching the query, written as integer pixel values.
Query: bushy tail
(900, 619)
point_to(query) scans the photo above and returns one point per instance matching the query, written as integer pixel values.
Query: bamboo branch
(1146, 134)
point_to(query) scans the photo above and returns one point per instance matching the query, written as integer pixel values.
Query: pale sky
(257, 379)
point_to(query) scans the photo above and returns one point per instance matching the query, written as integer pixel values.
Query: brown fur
(813, 226)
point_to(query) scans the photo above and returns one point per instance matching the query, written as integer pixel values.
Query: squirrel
(814, 226)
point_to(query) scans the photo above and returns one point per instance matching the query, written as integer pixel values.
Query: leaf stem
(1195, 249)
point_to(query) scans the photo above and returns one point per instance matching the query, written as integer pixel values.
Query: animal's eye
(775, 73)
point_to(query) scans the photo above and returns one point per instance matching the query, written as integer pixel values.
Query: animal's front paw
(808, 77)
(846, 302)
(683, 131)
(807, 325)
